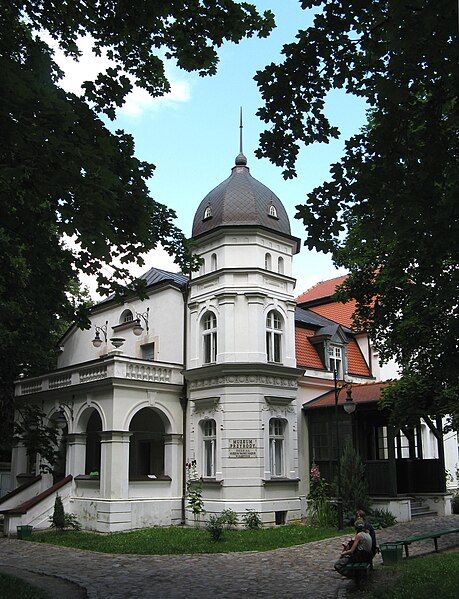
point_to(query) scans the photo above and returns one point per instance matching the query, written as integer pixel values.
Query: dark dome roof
(240, 200)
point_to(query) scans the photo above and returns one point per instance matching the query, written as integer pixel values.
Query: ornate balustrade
(118, 367)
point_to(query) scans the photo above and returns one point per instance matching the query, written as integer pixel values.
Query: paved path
(305, 571)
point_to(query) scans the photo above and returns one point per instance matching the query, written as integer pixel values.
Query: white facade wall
(165, 330)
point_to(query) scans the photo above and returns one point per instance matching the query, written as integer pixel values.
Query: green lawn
(178, 540)
(15, 588)
(435, 576)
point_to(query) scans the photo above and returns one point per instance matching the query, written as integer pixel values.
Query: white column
(173, 449)
(114, 470)
(18, 463)
(256, 350)
(76, 454)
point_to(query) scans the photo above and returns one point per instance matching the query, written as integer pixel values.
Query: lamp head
(97, 341)
(137, 329)
(349, 404)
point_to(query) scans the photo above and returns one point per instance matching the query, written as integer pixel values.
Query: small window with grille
(272, 212)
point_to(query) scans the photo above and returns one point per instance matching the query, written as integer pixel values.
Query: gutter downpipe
(184, 398)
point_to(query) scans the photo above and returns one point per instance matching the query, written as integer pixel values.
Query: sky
(192, 135)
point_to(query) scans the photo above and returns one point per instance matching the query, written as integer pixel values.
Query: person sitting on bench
(358, 552)
(371, 531)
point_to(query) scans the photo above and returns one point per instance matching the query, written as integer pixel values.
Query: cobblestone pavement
(305, 571)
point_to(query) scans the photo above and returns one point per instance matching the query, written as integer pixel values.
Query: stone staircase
(418, 509)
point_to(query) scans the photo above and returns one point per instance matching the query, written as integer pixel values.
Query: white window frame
(268, 261)
(209, 448)
(336, 359)
(272, 211)
(213, 262)
(274, 333)
(209, 338)
(277, 447)
(280, 265)
(207, 213)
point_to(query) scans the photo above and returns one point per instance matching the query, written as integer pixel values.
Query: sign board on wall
(242, 448)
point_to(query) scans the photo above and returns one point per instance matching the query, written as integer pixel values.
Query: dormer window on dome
(272, 212)
(207, 213)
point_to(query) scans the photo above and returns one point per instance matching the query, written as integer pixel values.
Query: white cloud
(89, 66)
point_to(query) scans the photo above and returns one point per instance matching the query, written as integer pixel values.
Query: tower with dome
(241, 368)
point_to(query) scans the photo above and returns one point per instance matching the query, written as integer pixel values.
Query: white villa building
(224, 368)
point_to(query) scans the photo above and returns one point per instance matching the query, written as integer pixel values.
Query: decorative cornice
(274, 400)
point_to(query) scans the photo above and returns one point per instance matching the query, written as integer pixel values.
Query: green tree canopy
(389, 212)
(63, 173)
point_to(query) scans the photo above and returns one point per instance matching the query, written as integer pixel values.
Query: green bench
(432, 535)
(358, 570)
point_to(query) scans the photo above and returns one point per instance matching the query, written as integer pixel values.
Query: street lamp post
(349, 408)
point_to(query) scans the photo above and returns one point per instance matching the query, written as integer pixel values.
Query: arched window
(202, 270)
(276, 447)
(280, 266)
(207, 213)
(272, 211)
(126, 316)
(213, 262)
(268, 261)
(209, 442)
(209, 323)
(93, 445)
(274, 336)
(146, 445)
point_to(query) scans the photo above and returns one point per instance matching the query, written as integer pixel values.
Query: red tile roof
(321, 290)
(306, 354)
(341, 313)
(366, 393)
(355, 361)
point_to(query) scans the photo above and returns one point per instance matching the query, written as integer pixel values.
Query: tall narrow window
(210, 337)
(207, 213)
(209, 441)
(268, 261)
(273, 337)
(335, 354)
(280, 266)
(213, 262)
(276, 447)
(202, 269)
(148, 351)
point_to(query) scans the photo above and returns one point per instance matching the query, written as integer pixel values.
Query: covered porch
(399, 463)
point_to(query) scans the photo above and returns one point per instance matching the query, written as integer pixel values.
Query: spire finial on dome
(240, 132)
(241, 160)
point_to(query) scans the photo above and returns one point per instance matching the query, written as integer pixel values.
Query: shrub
(194, 491)
(252, 520)
(214, 526)
(321, 511)
(354, 486)
(60, 519)
(229, 518)
(381, 518)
